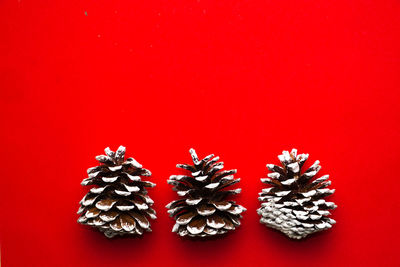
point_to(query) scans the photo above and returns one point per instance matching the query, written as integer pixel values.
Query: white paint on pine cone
(210, 231)
(93, 174)
(141, 206)
(97, 190)
(196, 173)
(227, 178)
(105, 207)
(319, 202)
(134, 178)
(87, 202)
(120, 153)
(86, 181)
(270, 167)
(330, 205)
(175, 228)
(132, 188)
(300, 212)
(185, 218)
(217, 167)
(294, 167)
(236, 191)
(222, 205)
(309, 193)
(193, 201)
(310, 174)
(98, 222)
(214, 223)
(89, 170)
(201, 178)
(125, 207)
(90, 214)
(212, 185)
(315, 216)
(235, 210)
(265, 180)
(302, 157)
(148, 199)
(289, 181)
(183, 193)
(315, 164)
(283, 193)
(108, 218)
(311, 209)
(206, 212)
(286, 156)
(115, 168)
(122, 193)
(134, 163)
(102, 158)
(177, 177)
(290, 203)
(273, 175)
(80, 210)
(108, 152)
(127, 226)
(323, 212)
(195, 230)
(194, 156)
(321, 179)
(109, 179)
(303, 200)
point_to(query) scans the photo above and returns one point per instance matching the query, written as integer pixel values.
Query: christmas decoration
(118, 203)
(204, 209)
(294, 204)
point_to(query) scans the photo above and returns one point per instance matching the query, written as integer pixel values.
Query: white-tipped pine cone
(295, 204)
(118, 203)
(204, 209)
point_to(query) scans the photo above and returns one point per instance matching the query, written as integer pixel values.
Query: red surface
(240, 79)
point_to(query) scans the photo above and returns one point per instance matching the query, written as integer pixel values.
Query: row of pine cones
(118, 203)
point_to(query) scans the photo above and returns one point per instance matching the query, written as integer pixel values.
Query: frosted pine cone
(118, 203)
(294, 204)
(204, 209)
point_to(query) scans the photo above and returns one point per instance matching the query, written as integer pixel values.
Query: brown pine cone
(294, 204)
(118, 203)
(204, 209)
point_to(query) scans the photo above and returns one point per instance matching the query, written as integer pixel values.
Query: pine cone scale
(185, 218)
(196, 225)
(222, 205)
(215, 221)
(205, 210)
(228, 224)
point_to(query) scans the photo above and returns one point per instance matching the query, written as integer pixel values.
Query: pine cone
(295, 203)
(204, 209)
(118, 203)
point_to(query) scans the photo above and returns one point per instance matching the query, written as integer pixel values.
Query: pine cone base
(283, 220)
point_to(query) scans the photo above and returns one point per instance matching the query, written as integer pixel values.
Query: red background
(241, 79)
